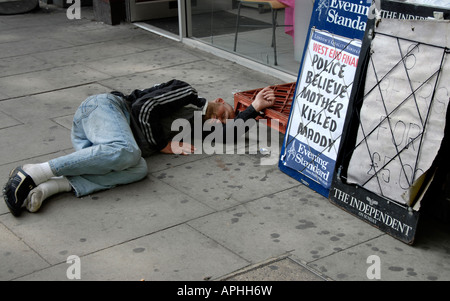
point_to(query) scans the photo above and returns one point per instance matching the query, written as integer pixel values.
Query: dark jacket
(154, 109)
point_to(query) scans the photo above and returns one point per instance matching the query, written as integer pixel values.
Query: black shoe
(17, 189)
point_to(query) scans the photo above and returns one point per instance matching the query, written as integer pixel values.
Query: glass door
(246, 29)
(209, 19)
(155, 15)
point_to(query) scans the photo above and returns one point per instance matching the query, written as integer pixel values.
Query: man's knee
(126, 157)
(137, 172)
(140, 169)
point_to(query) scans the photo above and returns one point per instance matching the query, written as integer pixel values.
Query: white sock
(45, 190)
(39, 172)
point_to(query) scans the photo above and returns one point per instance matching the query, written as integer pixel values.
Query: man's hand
(264, 99)
(178, 148)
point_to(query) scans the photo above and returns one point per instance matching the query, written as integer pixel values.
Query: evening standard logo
(311, 163)
(346, 13)
(322, 9)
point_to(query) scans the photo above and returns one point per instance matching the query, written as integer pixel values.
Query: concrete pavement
(197, 217)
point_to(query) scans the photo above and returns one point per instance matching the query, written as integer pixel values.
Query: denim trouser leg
(106, 153)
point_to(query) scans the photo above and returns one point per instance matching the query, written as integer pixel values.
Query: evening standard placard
(319, 110)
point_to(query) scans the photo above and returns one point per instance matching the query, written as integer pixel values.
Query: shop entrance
(245, 31)
(141, 10)
(160, 16)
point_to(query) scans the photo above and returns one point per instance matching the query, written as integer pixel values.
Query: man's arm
(263, 100)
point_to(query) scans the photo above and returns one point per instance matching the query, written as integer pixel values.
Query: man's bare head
(219, 110)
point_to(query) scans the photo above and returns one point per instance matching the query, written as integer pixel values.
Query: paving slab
(85, 53)
(16, 258)
(175, 254)
(64, 121)
(159, 163)
(95, 32)
(142, 61)
(284, 269)
(44, 17)
(31, 45)
(212, 78)
(49, 80)
(428, 259)
(49, 105)
(7, 121)
(32, 139)
(296, 220)
(22, 64)
(108, 218)
(14, 29)
(225, 181)
(145, 40)
(193, 72)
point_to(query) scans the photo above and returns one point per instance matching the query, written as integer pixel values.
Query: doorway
(213, 23)
(161, 16)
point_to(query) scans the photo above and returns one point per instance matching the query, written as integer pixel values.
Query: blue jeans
(106, 153)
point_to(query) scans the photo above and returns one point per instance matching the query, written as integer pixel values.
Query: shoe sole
(13, 208)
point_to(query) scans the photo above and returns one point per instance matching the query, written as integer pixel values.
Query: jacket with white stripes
(154, 109)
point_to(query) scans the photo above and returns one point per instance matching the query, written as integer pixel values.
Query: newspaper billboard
(322, 93)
